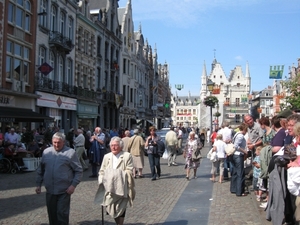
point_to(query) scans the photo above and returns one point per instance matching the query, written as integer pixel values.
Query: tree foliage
(211, 101)
(292, 87)
(217, 114)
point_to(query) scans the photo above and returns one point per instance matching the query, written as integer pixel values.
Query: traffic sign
(45, 69)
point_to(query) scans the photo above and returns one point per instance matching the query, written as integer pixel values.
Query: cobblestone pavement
(154, 200)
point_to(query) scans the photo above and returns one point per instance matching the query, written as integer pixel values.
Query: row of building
(235, 98)
(69, 63)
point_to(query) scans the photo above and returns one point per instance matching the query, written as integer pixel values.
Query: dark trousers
(94, 169)
(58, 207)
(154, 161)
(237, 183)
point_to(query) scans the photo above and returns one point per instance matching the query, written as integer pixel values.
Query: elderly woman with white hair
(116, 183)
(192, 144)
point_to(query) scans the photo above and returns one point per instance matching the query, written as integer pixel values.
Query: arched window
(62, 21)
(53, 18)
(42, 55)
(70, 28)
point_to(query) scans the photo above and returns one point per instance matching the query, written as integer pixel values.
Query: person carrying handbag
(192, 144)
(237, 183)
(218, 147)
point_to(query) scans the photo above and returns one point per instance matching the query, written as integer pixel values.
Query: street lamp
(210, 86)
(179, 86)
(217, 122)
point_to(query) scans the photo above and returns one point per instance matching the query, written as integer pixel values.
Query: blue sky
(186, 32)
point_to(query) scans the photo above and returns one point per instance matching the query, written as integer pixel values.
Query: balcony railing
(61, 42)
(48, 85)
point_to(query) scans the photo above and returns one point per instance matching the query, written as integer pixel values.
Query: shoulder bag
(230, 149)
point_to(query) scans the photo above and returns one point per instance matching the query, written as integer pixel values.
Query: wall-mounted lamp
(44, 13)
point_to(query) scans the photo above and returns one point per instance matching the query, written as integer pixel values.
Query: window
(43, 8)
(98, 46)
(70, 28)
(42, 55)
(86, 42)
(92, 45)
(60, 69)
(79, 38)
(53, 18)
(237, 101)
(17, 61)
(69, 72)
(85, 77)
(98, 78)
(124, 66)
(62, 19)
(19, 14)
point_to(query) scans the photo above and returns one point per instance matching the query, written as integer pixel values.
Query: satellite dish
(79, 3)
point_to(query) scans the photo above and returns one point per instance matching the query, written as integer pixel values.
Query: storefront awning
(9, 114)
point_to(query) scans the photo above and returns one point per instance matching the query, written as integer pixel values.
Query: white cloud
(239, 58)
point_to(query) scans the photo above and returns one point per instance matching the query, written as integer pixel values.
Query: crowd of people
(273, 147)
(116, 158)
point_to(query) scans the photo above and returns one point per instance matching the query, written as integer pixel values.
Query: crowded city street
(171, 200)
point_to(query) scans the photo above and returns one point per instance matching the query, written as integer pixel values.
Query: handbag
(196, 156)
(145, 151)
(166, 154)
(212, 155)
(230, 149)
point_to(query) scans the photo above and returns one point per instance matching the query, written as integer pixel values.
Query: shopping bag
(166, 154)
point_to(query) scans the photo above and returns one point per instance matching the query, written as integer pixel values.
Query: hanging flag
(276, 72)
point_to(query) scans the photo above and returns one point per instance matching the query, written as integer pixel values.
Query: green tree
(211, 101)
(292, 86)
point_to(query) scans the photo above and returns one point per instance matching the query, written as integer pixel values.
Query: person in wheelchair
(11, 154)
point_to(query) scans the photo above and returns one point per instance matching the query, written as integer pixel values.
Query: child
(256, 173)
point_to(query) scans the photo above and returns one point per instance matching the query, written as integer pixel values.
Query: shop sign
(7, 119)
(6, 100)
(56, 101)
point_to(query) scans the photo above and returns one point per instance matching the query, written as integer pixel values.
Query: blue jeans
(154, 161)
(58, 207)
(237, 183)
(227, 165)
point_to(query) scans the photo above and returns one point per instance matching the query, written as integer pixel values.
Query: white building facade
(232, 92)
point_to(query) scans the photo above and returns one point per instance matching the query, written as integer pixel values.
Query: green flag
(276, 72)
